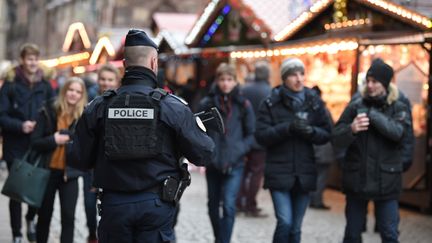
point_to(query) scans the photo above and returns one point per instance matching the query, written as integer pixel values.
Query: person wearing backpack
(224, 172)
(22, 95)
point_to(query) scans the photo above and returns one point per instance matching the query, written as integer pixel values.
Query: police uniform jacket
(182, 137)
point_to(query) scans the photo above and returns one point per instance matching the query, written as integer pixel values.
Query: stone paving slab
(194, 224)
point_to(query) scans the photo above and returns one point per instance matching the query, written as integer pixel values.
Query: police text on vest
(130, 113)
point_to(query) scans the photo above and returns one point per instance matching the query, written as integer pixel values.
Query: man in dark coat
(289, 123)
(371, 131)
(253, 173)
(21, 97)
(224, 172)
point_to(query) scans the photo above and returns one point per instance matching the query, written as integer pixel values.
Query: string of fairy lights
(313, 48)
(215, 25)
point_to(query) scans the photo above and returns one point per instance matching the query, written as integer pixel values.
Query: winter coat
(372, 166)
(20, 102)
(239, 120)
(324, 154)
(408, 142)
(256, 92)
(290, 157)
(43, 142)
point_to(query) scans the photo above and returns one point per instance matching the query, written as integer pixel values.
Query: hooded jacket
(20, 102)
(372, 167)
(239, 119)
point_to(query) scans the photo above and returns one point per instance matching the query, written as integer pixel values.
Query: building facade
(45, 22)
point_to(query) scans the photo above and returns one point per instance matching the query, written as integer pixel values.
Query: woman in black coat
(51, 137)
(289, 122)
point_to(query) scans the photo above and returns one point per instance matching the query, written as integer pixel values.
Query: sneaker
(31, 231)
(17, 240)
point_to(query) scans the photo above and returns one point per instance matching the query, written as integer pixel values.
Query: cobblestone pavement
(194, 224)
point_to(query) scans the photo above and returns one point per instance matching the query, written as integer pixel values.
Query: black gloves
(302, 127)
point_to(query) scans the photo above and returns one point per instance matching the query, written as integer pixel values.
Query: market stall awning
(172, 29)
(258, 16)
(174, 40)
(178, 22)
(341, 19)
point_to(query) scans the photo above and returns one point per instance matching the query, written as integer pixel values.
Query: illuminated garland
(320, 5)
(331, 48)
(302, 20)
(402, 12)
(201, 21)
(103, 42)
(218, 21)
(347, 24)
(66, 59)
(78, 26)
(340, 11)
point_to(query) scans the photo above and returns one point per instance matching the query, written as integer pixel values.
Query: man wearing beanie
(371, 130)
(289, 122)
(133, 138)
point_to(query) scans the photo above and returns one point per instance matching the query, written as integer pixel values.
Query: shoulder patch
(109, 93)
(184, 102)
(158, 94)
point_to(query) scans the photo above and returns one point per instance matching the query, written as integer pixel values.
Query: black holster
(173, 189)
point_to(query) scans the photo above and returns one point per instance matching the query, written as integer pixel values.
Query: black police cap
(137, 37)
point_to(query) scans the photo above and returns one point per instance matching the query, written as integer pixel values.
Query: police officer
(134, 138)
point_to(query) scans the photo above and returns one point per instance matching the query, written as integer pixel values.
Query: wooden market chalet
(337, 40)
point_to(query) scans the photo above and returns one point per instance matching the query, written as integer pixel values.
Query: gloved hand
(302, 127)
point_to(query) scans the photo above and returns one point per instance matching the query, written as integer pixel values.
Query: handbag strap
(38, 160)
(27, 155)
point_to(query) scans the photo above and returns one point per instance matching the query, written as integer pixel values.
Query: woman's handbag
(26, 181)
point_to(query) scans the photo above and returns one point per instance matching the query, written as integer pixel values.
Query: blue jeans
(387, 219)
(222, 191)
(290, 208)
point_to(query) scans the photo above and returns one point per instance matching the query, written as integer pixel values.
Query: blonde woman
(52, 134)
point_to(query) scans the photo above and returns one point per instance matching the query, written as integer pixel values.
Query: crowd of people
(283, 138)
(34, 115)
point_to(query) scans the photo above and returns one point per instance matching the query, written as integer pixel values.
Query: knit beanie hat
(290, 66)
(380, 71)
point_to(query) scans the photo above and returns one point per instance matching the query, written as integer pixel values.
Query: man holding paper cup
(370, 131)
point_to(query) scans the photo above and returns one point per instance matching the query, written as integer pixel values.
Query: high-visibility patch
(130, 113)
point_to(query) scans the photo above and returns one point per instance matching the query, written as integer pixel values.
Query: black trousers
(15, 212)
(136, 218)
(68, 193)
(252, 179)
